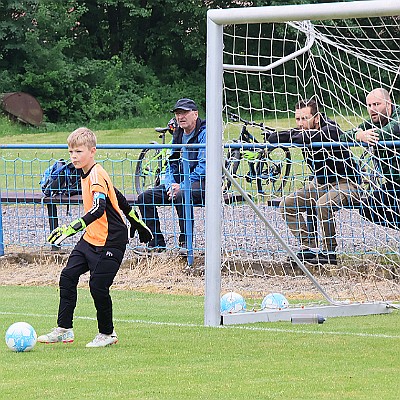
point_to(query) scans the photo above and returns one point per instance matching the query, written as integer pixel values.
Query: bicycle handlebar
(236, 118)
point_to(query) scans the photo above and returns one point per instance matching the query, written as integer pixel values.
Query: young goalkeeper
(101, 248)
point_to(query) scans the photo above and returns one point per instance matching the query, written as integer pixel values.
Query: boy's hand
(138, 225)
(62, 232)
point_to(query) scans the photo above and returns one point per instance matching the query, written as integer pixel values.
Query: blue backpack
(61, 178)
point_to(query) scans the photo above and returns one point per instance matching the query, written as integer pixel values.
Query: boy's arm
(137, 224)
(62, 232)
(99, 205)
(122, 202)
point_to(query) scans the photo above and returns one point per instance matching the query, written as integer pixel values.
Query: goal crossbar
(302, 12)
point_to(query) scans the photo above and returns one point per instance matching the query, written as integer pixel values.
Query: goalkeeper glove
(138, 225)
(62, 232)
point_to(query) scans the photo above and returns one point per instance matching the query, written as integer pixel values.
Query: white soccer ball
(232, 303)
(21, 337)
(274, 300)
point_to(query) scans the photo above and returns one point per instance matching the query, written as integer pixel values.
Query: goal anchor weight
(330, 311)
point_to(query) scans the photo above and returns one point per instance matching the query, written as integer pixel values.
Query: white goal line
(246, 328)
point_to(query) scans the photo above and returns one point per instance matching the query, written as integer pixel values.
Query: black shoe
(307, 254)
(325, 257)
(156, 247)
(317, 257)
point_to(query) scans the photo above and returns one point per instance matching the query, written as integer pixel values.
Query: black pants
(382, 207)
(151, 198)
(103, 264)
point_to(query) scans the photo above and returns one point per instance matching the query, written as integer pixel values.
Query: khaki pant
(319, 202)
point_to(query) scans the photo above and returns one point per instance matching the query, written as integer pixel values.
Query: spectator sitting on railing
(191, 130)
(383, 205)
(334, 182)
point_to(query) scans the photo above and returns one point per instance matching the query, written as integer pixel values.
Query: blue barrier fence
(26, 223)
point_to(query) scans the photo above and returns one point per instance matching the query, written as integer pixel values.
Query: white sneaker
(57, 335)
(102, 340)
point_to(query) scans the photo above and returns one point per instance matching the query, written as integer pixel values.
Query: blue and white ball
(274, 300)
(232, 303)
(21, 337)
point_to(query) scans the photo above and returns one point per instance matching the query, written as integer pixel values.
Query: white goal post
(226, 63)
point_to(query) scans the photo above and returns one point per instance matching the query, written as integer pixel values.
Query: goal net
(268, 67)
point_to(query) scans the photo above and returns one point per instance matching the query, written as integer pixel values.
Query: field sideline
(165, 352)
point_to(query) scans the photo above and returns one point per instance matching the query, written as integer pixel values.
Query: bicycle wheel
(231, 164)
(272, 171)
(148, 168)
(371, 174)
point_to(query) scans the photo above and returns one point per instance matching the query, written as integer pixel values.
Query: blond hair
(82, 137)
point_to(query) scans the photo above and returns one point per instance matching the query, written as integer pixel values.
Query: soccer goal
(260, 62)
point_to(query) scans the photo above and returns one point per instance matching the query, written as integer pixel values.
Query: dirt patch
(159, 273)
(168, 273)
(154, 273)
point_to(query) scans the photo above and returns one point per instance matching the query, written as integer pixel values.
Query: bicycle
(268, 167)
(152, 163)
(370, 170)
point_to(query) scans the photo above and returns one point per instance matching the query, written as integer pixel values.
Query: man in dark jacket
(191, 130)
(334, 182)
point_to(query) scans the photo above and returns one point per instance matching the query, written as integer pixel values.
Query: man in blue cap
(190, 130)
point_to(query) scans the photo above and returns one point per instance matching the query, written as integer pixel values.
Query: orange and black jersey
(103, 217)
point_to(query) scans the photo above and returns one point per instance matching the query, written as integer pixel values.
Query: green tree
(103, 59)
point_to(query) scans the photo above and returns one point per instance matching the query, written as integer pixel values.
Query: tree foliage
(105, 59)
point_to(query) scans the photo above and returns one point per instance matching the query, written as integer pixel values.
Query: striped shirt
(109, 229)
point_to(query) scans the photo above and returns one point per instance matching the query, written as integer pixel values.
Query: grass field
(165, 352)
